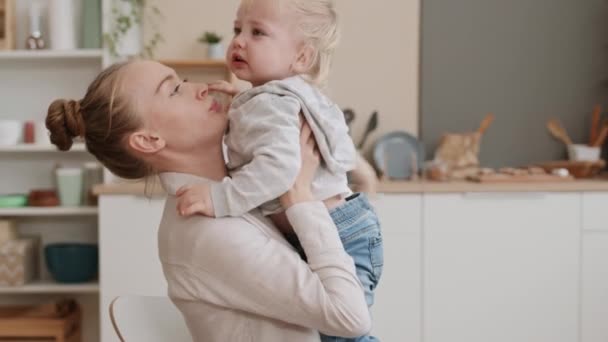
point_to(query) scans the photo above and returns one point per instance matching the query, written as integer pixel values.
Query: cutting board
(531, 178)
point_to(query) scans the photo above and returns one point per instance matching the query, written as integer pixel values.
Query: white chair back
(148, 319)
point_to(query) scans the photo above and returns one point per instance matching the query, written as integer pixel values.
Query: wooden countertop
(154, 190)
(452, 187)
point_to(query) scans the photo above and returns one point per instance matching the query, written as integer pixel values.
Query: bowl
(72, 262)
(13, 201)
(577, 168)
(580, 152)
(11, 132)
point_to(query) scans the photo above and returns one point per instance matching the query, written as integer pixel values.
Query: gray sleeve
(273, 129)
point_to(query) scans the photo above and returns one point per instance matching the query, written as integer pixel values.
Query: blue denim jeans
(360, 233)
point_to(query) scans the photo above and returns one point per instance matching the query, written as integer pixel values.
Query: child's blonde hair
(318, 22)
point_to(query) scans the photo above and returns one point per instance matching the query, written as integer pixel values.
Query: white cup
(69, 186)
(11, 132)
(41, 134)
(580, 152)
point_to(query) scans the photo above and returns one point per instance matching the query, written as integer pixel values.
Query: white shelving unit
(30, 81)
(50, 54)
(43, 287)
(23, 148)
(48, 211)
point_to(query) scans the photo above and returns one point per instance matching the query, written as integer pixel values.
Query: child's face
(265, 43)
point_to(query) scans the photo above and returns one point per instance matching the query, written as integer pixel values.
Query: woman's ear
(304, 59)
(146, 142)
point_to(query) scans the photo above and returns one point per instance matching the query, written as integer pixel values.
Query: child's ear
(304, 59)
(146, 142)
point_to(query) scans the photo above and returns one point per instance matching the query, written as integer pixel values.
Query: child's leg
(360, 233)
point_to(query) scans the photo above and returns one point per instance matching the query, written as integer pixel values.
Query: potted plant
(125, 39)
(215, 50)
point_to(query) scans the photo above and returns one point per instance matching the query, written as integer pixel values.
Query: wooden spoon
(485, 123)
(601, 137)
(558, 131)
(595, 125)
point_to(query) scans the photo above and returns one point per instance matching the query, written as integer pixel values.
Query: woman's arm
(242, 268)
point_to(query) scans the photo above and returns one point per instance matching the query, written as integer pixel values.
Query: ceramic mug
(69, 186)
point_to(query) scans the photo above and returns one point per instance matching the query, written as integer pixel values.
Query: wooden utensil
(487, 121)
(595, 124)
(599, 141)
(558, 131)
(371, 126)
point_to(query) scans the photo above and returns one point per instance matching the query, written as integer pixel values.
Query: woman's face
(181, 113)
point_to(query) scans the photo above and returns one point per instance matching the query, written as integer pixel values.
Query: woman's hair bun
(64, 122)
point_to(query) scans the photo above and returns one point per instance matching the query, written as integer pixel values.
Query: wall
(525, 61)
(375, 67)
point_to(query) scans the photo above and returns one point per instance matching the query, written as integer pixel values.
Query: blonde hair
(104, 119)
(318, 22)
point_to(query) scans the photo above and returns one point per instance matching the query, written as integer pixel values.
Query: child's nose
(238, 41)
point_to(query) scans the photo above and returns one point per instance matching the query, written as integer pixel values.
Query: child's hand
(224, 87)
(195, 199)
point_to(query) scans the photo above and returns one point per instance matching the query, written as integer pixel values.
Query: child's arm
(271, 125)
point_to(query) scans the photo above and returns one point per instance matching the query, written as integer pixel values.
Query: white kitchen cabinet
(595, 215)
(396, 312)
(594, 301)
(128, 243)
(501, 267)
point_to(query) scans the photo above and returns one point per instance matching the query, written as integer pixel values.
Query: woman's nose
(202, 90)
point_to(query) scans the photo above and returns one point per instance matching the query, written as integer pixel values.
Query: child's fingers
(193, 209)
(222, 86)
(183, 202)
(182, 190)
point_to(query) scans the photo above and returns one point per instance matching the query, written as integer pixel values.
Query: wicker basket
(18, 260)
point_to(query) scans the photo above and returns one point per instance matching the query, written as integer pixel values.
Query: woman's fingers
(305, 133)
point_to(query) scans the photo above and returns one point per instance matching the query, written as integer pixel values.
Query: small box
(8, 231)
(18, 260)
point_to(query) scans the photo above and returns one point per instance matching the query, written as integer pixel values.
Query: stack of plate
(398, 155)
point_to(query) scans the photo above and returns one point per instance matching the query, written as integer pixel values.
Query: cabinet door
(595, 287)
(501, 267)
(396, 312)
(129, 263)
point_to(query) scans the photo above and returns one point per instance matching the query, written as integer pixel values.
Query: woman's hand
(300, 191)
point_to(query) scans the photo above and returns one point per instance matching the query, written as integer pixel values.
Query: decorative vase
(91, 24)
(215, 51)
(62, 26)
(131, 43)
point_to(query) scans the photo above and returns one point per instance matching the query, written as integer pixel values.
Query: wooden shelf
(51, 54)
(39, 148)
(194, 63)
(50, 287)
(48, 211)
